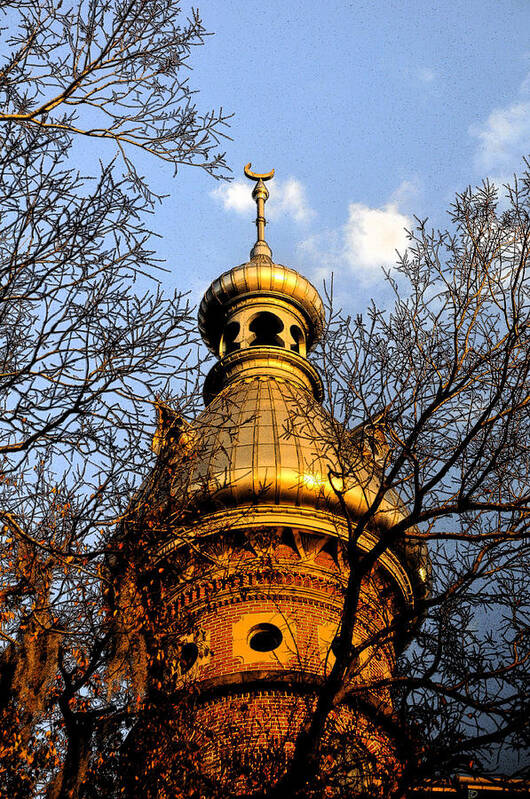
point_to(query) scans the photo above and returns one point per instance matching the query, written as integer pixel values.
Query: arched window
(298, 338)
(229, 339)
(266, 328)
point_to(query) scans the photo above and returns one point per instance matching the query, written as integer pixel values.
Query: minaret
(242, 529)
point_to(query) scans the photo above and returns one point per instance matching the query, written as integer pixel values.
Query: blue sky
(370, 112)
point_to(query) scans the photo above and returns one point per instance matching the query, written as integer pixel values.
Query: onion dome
(259, 278)
(265, 453)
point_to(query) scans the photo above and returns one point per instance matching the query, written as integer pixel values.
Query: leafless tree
(435, 390)
(89, 339)
(430, 400)
(440, 380)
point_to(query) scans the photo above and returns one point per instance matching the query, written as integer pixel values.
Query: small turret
(258, 308)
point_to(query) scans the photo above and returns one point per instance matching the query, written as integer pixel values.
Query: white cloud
(367, 241)
(372, 236)
(235, 196)
(287, 198)
(503, 138)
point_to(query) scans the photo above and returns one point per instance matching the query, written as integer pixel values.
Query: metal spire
(260, 195)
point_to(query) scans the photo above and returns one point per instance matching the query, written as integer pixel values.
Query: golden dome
(265, 453)
(265, 441)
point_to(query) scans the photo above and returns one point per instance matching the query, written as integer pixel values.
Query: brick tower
(243, 534)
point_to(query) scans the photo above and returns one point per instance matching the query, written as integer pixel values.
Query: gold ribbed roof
(265, 453)
(267, 441)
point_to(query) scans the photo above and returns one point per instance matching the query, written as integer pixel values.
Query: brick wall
(246, 704)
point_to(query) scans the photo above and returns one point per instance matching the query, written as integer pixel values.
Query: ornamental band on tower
(237, 562)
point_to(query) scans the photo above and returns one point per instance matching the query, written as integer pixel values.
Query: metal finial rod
(260, 195)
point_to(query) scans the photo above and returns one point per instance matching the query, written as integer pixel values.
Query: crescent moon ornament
(255, 175)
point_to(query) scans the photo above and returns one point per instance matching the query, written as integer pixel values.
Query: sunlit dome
(265, 453)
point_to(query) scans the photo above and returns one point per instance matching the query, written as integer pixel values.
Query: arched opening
(298, 338)
(231, 332)
(265, 637)
(266, 328)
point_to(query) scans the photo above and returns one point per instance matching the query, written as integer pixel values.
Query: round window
(264, 637)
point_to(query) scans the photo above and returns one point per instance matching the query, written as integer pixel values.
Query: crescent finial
(255, 175)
